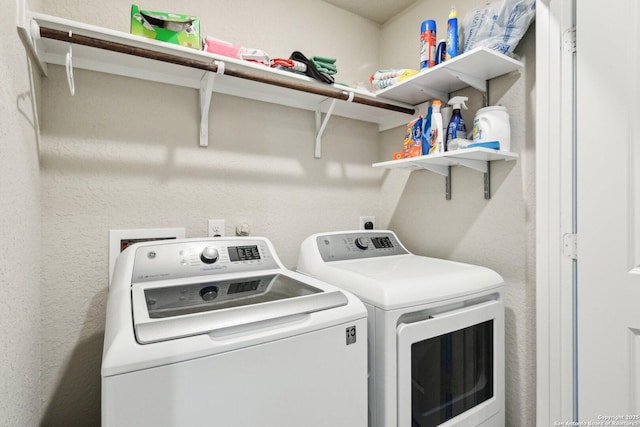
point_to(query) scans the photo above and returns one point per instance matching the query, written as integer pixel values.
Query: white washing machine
(216, 332)
(436, 329)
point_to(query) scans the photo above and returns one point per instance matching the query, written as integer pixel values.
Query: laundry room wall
(497, 233)
(123, 153)
(20, 234)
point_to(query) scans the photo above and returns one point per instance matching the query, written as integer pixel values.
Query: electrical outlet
(215, 228)
(367, 222)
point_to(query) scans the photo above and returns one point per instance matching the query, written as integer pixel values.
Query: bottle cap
(428, 25)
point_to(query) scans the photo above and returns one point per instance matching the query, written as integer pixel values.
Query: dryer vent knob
(209, 255)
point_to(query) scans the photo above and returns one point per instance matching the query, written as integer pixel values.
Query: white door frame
(554, 211)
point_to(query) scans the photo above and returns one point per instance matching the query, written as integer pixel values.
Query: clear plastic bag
(498, 25)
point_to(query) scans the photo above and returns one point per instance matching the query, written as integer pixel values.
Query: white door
(608, 206)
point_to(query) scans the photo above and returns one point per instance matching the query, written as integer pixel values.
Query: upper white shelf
(472, 68)
(285, 88)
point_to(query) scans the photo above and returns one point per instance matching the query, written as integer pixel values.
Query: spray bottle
(456, 127)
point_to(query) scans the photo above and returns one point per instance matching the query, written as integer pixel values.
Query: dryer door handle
(456, 312)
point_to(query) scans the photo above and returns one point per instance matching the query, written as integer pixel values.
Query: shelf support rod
(475, 82)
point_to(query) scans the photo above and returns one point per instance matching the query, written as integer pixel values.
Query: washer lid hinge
(570, 245)
(569, 40)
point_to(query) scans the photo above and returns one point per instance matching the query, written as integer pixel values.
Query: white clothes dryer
(203, 332)
(436, 329)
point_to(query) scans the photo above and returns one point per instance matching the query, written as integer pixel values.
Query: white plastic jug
(492, 124)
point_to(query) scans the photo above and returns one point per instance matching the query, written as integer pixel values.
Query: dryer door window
(447, 368)
(451, 374)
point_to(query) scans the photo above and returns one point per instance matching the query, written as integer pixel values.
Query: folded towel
(324, 64)
(312, 71)
(325, 69)
(324, 59)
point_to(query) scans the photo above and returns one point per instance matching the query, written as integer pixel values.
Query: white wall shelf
(473, 68)
(474, 158)
(48, 39)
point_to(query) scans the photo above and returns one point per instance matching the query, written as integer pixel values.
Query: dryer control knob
(209, 255)
(361, 243)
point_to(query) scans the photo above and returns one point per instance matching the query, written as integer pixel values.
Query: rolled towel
(387, 77)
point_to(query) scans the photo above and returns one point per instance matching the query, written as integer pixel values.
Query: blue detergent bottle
(452, 34)
(456, 127)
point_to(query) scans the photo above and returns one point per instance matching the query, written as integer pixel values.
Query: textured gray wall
(20, 330)
(123, 153)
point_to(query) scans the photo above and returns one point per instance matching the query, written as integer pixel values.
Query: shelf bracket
(474, 82)
(447, 185)
(487, 182)
(29, 32)
(443, 170)
(69, 69)
(478, 165)
(206, 91)
(431, 92)
(321, 125)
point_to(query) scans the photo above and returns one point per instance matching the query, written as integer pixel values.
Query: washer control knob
(209, 293)
(361, 242)
(209, 255)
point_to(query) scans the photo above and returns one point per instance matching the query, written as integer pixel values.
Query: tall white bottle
(436, 127)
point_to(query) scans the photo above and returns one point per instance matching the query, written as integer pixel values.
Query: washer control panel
(355, 245)
(174, 259)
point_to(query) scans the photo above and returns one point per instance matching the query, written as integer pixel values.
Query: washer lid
(406, 280)
(167, 312)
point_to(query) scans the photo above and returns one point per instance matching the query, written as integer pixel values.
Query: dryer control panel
(358, 244)
(168, 260)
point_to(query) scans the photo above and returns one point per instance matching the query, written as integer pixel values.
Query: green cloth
(324, 64)
(324, 59)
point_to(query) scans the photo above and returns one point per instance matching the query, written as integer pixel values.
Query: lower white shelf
(474, 158)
